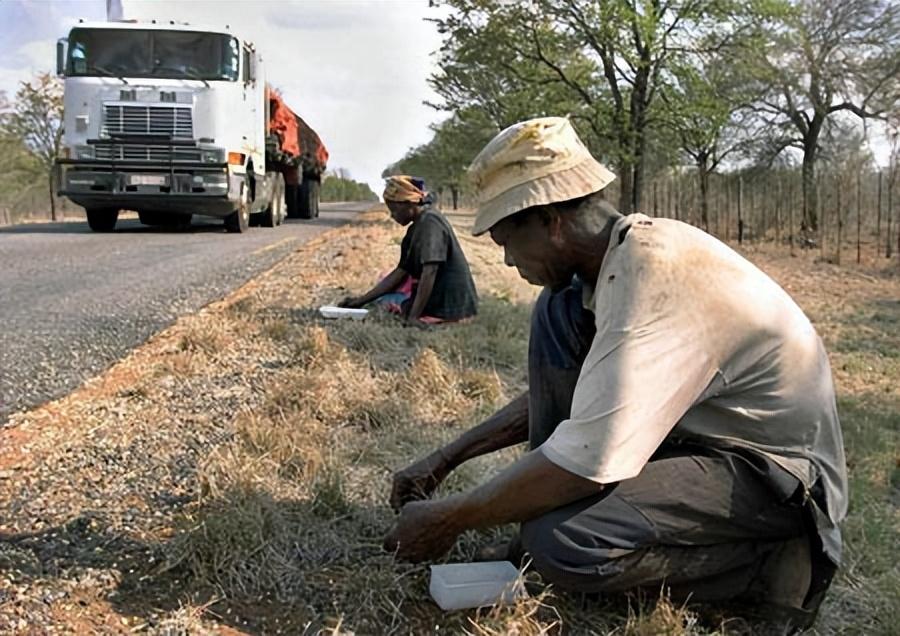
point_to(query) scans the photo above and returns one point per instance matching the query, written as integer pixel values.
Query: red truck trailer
(296, 151)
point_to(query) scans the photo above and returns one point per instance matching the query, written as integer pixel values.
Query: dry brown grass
(287, 504)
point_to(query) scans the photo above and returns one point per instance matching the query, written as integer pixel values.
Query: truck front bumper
(177, 187)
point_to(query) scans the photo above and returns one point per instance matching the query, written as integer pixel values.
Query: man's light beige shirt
(694, 341)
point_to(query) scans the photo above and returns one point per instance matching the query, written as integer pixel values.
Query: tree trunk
(52, 197)
(638, 124)
(703, 169)
(810, 222)
(626, 187)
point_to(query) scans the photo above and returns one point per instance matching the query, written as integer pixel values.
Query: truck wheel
(308, 199)
(291, 197)
(314, 187)
(102, 219)
(274, 213)
(304, 209)
(239, 220)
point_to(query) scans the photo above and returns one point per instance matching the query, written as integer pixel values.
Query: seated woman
(432, 282)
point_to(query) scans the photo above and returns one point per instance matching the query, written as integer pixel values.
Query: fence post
(858, 214)
(890, 214)
(791, 214)
(779, 192)
(668, 212)
(729, 186)
(840, 222)
(878, 216)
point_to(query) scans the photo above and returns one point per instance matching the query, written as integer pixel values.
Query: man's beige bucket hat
(534, 162)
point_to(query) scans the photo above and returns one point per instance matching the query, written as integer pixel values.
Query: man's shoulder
(668, 240)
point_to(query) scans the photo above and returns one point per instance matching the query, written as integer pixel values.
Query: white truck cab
(168, 120)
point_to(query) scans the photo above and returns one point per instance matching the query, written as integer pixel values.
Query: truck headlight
(215, 155)
(84, 152)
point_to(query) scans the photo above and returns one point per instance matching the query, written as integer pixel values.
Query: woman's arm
(423, 290)
(388, 284)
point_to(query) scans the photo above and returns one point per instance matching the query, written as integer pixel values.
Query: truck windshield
(148, 53)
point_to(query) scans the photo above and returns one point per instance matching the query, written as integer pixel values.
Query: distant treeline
(30, 138)
(689, 103)
(338, 186)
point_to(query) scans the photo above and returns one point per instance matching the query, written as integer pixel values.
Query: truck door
(254, 140)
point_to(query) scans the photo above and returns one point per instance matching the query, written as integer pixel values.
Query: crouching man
(680, 412)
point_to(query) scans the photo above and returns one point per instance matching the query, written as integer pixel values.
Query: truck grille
(132, 152)
(175, 121)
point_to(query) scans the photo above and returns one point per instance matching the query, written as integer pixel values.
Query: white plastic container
(330, 311)
(465, 585)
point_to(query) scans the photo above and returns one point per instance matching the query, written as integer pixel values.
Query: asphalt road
(72, 302)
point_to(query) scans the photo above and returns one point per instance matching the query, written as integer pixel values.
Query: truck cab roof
(157, 25)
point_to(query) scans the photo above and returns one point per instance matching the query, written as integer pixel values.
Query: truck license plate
(147, 179)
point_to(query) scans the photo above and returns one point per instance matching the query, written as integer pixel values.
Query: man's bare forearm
(530, 487)
(506, 427)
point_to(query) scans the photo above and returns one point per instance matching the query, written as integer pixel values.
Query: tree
(603, 63)
(339, 186)
(482, 69)
(443, 161)
(705, 110)
(36, 118)
(824, 57)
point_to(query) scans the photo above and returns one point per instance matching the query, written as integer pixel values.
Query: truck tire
(239, 220)
(102, 219)
(315, 187)
(273, 215)
(291, 195)
(308, 198)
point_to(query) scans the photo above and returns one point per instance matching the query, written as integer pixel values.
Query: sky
(355, 70)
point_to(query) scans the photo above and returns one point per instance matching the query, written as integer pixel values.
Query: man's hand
(419, 480)
(425, 530)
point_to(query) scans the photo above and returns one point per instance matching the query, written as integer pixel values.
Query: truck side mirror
(61, 46)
